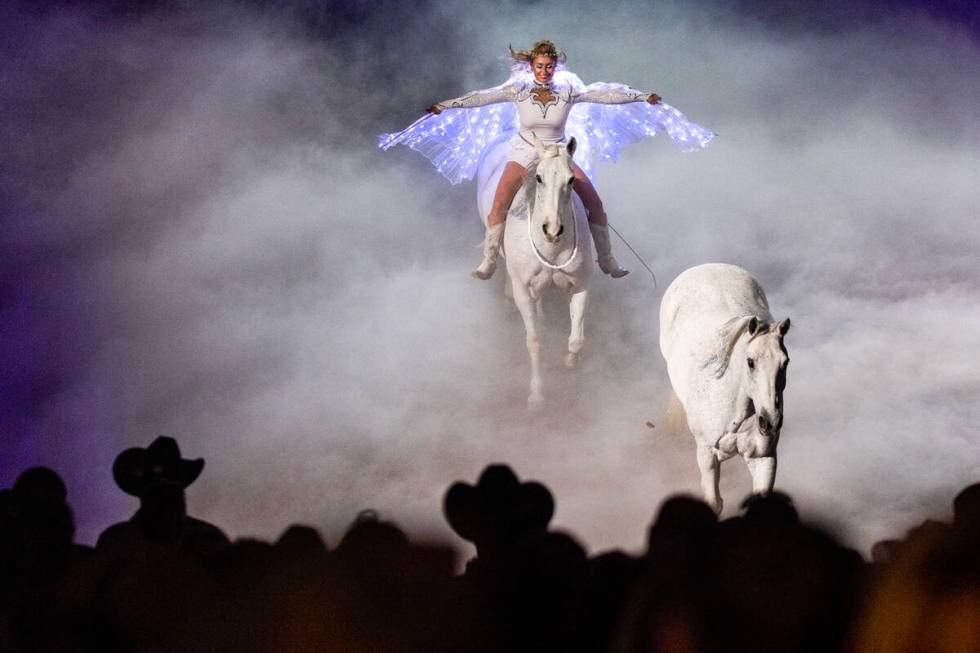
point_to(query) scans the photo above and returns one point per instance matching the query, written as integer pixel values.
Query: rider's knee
(586, 190)
(581, 179)
(498, 209)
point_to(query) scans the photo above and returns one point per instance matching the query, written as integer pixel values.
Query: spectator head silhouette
(40, 500)
(683, 516)
(138, 470)
(374, 548)
(40, 485)
(42, 525)
(498, 510)
(158, 476)
(966, 508)
(885, 551)
(770, 509)
(302, 541)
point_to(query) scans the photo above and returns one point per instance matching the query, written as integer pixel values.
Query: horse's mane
(728, 335)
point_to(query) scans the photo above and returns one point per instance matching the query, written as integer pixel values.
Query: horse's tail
(675, 420)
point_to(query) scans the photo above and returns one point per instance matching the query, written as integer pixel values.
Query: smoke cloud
(201, 240)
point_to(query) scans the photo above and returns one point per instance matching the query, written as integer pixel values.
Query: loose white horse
(547, 244)
(727, 363)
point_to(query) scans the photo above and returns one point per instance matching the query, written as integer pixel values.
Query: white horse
(726, 361)
(547, 243)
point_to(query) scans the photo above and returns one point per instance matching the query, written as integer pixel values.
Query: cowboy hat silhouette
(498, 507)
(136, 469)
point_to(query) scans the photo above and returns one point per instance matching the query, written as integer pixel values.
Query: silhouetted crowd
(762, 581)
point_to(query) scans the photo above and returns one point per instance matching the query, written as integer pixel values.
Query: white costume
(542, 109)
(603, 118)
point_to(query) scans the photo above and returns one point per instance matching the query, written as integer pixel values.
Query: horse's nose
(764, 423)
(770, 425)
(550, 236)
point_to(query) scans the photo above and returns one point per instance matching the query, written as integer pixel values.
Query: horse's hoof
(535, 402)
(571, 360)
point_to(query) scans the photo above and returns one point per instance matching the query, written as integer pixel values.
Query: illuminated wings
(456, 140)
(603, 130)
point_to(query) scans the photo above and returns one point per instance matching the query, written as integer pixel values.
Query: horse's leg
(526, 305)
(577, 304)
(763, 471)
(726, 447)
(710, 468)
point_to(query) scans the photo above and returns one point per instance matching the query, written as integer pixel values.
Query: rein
(537, 252)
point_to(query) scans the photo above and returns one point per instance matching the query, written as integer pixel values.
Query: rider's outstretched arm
(495, 95)
(604, 93)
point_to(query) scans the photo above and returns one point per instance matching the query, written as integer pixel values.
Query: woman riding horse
(545, 95)
(543, 107)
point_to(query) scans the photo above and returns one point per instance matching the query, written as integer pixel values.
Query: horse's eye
(751, 363)
(538, 177)
(571, 181)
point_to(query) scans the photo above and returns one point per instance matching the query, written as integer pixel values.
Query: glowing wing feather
(603, 130)
(456, 140)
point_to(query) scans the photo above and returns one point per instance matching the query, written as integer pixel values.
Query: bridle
(537, 252)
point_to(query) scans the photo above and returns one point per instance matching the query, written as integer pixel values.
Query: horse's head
(553, 188)
(765, 372)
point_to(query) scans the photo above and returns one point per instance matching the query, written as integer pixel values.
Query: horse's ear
(570, 148)
(783, 327)
(538, 145)
(753, 326)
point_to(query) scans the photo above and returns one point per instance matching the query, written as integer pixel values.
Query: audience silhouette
(158, 476)
(765, 580)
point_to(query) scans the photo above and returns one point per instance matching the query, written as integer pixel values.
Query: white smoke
(204, 242)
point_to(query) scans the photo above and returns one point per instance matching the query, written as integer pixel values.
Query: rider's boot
(491, 247)
(607, 262)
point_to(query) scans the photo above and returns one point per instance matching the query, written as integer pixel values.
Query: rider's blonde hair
(540, 49)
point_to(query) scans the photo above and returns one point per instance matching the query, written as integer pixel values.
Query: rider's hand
(435, 108)
(654, 98)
